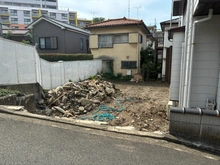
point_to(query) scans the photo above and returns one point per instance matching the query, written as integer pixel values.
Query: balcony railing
(5, 21)
(4, 13)
(35, 15)
(72, 18)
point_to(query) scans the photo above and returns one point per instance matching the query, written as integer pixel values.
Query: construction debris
(73, 99)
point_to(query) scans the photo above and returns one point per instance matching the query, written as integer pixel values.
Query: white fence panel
(56, 77)
(71, 72)
(45, 74)
(26, 68)
(20, 63)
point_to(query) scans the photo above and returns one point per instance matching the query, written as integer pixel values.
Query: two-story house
(118, 43)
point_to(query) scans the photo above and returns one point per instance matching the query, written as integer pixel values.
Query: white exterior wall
(20, 13)
(31, 2)
(21, 64)
(178, 39)
(166, 45)
(205, 75)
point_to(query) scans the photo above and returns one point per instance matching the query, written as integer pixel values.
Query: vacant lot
(142, 105)
(145, 105)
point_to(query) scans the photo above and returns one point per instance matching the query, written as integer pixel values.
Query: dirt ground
(144, 105)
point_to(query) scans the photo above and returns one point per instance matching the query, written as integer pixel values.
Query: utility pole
(93, 13)
(137, 10)
(128, 8)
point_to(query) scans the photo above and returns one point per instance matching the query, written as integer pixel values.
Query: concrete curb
(104, 127)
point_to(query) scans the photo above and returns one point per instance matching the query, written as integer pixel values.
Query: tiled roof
(57, 23)
(16, 31)
(116, 22)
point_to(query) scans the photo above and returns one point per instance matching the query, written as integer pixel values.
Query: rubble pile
(73, 99)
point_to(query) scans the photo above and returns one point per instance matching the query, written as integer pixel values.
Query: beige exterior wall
(120, 52)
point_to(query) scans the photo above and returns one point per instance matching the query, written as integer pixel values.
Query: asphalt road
(26, 141)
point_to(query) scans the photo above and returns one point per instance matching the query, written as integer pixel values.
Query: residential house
(118, 43)
(167, 48)
(53, 36)
(195, 70)
(18, 35)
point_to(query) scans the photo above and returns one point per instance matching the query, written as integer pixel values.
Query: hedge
(66, 57)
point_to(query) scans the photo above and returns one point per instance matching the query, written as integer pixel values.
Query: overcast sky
(147, 10)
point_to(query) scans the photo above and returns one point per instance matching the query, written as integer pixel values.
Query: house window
(48, 43)
(14, 13)
(128, 64)
(14, 20)
(53, 15)
(140, 38)
(81, 44)
(26, 13)
(64, 16)
(120, 38)
(27, 21)
(105, 41)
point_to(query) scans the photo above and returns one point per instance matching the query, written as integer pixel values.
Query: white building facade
(196, 60)
(14, 13)
(49, 4)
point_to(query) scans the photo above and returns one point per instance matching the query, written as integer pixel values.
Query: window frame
(26, 13)
(27, 22)
(14, 20)
(128, 64)
(121, 41)
(13, 12)
(81, 43)
(64, 16)
(140, 38)
(47, 46)
(101, 43)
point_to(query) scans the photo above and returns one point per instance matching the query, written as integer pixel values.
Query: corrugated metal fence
(20, 63)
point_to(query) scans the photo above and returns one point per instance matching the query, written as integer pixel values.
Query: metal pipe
(171, 16)
(183, 102)
(192, 53)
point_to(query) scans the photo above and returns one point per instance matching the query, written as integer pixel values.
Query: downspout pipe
(183, 79)
(192, 52)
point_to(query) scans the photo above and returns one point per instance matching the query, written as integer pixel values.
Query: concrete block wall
(195, 124)
(28, 101)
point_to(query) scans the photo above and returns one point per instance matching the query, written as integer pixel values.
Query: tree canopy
(98, 19)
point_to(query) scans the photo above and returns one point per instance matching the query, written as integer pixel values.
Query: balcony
(72, 18)
(4, 13)
(35, 15)
(5, 22)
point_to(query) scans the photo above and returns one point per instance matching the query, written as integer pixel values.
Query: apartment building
(49, 4)
(16, 16)
(19, 13)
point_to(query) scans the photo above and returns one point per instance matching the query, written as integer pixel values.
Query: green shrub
(6, 92)
(66, 57)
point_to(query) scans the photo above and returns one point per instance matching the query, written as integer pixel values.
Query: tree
(98, 19)
(147, 63)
